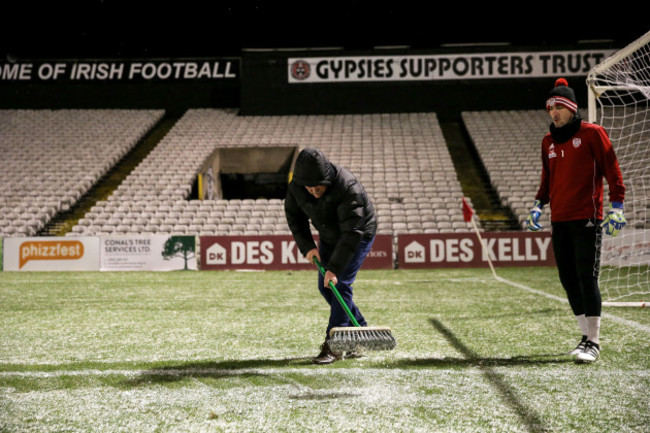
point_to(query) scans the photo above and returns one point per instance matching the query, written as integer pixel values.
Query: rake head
(350, 339)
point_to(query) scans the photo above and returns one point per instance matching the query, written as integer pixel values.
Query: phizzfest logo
(50, 250)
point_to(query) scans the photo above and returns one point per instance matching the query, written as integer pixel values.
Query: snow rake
(357, 337)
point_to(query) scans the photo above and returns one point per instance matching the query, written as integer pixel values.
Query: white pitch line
(134, 373)
(531, 290)
(620, 320)
(59, 373)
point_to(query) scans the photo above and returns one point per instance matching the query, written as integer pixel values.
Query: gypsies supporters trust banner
(425, 67)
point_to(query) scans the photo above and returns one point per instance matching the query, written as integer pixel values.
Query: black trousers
(576, 245)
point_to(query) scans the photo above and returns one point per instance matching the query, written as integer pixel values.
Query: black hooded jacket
(343, 216)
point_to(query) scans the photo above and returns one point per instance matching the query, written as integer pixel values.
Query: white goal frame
(637, 243)
(596, 88)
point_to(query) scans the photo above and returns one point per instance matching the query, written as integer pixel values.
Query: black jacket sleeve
(298, 223)
(350, 213)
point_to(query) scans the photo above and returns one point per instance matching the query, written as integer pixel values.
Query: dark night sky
(112, 28)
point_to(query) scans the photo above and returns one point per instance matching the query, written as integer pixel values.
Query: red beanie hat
(563, 95)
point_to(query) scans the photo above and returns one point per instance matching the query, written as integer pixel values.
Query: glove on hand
(615, 220)
(532, 222)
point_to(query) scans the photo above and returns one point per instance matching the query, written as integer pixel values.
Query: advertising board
(464, 250)
(275, 252)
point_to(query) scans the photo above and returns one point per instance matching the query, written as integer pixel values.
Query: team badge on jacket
(577, 142)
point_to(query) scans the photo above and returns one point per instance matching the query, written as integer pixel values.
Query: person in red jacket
(576, 156)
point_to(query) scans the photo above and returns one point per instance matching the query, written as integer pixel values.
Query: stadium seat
(401, 158)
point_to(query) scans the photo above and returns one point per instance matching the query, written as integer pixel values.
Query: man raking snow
(336, 204)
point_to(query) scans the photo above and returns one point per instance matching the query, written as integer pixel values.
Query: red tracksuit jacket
(573, 171)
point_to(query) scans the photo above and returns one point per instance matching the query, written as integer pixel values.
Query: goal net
(619, 95)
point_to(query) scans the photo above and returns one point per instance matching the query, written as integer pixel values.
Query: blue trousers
(338, 316)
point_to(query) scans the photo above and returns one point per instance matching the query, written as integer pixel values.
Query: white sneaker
(591, 352)
(580, 347)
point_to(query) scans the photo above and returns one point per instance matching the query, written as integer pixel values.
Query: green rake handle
(337, 294)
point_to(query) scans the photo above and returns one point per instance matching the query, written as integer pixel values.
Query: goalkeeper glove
(532, 222)
(615, 220)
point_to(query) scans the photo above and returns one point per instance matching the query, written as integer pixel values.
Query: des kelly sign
(456, 250)
(275, 253)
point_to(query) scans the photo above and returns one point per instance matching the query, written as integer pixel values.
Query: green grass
(230, 352)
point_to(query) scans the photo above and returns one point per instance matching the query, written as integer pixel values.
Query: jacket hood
(312, 168)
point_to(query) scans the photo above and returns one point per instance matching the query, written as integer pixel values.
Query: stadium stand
(402, 159)
(51, 158)
(508, 143)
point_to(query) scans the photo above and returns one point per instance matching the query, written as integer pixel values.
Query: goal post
(619, 100)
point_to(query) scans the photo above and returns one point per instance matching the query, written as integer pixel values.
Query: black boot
(326, 355)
